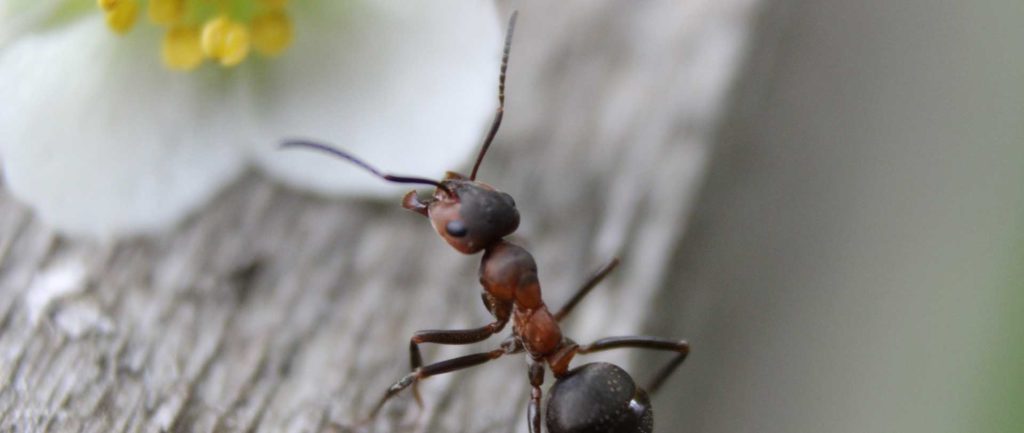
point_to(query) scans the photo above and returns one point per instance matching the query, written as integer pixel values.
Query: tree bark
(274, 310)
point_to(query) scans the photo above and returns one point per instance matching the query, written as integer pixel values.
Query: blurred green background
(856, 261)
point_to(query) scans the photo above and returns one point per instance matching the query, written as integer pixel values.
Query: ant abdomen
(598, 398)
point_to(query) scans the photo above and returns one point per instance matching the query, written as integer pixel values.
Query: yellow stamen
(165, 12)
(271, 33)
(225, 40)
(181, 48)
(121, 15)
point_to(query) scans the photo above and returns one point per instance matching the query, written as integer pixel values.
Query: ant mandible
(473, 216)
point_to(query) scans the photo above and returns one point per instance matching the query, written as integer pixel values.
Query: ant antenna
(345, 155)
(501, 96)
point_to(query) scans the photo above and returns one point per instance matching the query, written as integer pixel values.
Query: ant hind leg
(681, 347)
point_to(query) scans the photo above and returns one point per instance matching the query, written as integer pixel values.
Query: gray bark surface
(275, 310)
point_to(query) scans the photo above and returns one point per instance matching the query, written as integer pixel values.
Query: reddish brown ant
(473, 216)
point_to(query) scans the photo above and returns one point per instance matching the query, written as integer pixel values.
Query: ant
(473, 216)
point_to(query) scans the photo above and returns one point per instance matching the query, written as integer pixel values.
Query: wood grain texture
(273, 310)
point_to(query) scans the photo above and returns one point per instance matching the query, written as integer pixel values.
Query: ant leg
(455, 337)
(643, 342)
(536, 375)
(441, 367)
(586, 288)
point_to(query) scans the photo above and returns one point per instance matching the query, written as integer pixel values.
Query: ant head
(468, 214)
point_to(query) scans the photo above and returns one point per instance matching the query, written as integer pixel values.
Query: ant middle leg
(441, 367)
(681, 347)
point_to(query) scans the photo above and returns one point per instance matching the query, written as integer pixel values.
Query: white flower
(101, 139)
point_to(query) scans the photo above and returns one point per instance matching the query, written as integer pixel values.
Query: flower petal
(18, 16)
(408, 86)
(100, 139)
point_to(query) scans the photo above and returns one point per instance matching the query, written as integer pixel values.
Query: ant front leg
(434, 369)
(643, 342)
(453, 337)
(502, 311)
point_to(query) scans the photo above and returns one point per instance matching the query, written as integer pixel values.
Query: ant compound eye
(456, 228)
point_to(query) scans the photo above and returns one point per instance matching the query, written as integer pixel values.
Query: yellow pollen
(107, 5)
(225, 40)
(181, 48)
(225, 31)
(271, 33)
(121, 15)
(166, 12)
